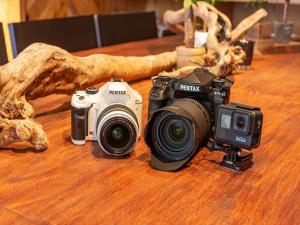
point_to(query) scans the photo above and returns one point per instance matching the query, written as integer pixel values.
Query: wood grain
(63, 8)
(69, 184)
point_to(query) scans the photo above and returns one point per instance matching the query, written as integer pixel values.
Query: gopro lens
(240, 122)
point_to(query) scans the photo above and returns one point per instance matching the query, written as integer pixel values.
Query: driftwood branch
(41, 70)
(221, 57)
(247, 23)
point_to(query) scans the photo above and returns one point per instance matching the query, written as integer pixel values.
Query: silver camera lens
(117, 130)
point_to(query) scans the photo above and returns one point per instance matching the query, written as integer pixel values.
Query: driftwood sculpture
(221, 57)
(42, 70)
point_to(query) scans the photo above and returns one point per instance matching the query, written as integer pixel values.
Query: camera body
(106, 113)
(201, 85)
(238, 125)
(199, 106)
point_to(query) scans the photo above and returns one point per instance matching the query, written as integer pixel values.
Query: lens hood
(187, 109)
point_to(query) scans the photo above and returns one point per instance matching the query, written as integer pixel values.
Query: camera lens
(176, 131)
(240, 122)
(117, 130)
(171, 135)
(118, 136)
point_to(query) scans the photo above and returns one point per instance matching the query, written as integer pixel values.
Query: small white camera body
(110, 115)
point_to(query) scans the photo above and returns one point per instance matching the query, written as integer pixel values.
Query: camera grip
(155, 104)
(79, 125)
(158, 98)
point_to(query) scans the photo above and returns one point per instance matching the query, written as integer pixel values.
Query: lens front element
(177, 130)
(240, 123)
(175, 134)
(118, 136)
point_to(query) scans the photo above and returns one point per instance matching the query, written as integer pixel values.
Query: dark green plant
(190, 23)
(189, 3)
(259, 4)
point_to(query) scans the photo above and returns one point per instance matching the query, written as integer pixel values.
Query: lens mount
(117, 132)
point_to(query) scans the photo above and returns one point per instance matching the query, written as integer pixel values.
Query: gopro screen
(225, 121)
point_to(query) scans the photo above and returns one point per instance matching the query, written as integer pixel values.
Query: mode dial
(91, 90)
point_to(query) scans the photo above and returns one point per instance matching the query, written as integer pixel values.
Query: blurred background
(13, 11)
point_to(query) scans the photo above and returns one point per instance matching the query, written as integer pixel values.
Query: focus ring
(117, 107)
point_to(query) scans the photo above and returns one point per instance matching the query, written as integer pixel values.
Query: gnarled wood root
(42, 69)
(28, 130)
(221, 57)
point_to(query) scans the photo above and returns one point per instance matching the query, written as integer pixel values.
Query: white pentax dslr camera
(110, 115)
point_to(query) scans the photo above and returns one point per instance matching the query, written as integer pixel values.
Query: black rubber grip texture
(79, 123)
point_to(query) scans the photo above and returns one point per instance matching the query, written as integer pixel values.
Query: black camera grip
(158, 98)
(79, 123)
(155, 105)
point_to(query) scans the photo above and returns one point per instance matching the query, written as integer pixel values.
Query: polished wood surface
(138, 48)
(68, 184)
(269, 46)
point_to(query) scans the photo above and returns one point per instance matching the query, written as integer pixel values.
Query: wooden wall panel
(160, 6)
(46, 9)
(7, 15)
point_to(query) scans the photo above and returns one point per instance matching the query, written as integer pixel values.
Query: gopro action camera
(187, 113)
(110, 115)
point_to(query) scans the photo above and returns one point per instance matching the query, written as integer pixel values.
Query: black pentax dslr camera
(186, 113)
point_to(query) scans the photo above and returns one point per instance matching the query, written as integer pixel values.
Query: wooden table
(68, 184)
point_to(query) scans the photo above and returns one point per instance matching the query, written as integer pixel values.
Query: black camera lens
(171, 135)
(118, 136)
(240, 122)
(176, 131)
